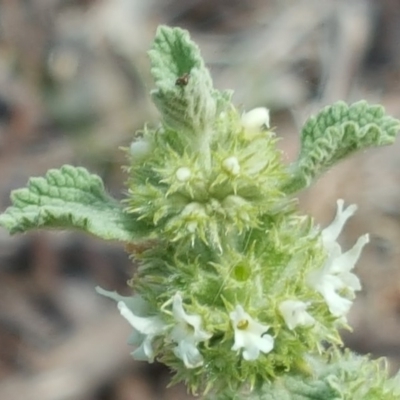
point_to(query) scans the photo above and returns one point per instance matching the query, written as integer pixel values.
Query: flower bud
(231, 165)
(183, 174)
(140, 149)
(256, 120)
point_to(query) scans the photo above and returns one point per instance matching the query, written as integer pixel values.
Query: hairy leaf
(67, 198)
(184, 94)
(343, 375)
(336, 132)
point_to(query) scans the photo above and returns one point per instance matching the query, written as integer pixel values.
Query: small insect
(183, 80)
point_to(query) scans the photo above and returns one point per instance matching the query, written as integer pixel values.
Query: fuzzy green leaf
(344, 375)
(336, 132)
(184, 94)
(286, 388)
(67, 198)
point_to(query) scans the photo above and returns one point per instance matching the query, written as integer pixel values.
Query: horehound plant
(239, 295)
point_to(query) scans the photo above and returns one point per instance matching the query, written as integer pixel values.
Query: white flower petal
(189, 354)
(294, 313)
(338, 305)
(136, 338)
(134, 310)
(252, 344)
(331, 233)
(147, 328)
(336, 273)
(187, 333)
(145, 325)
(327, 286)
(139, 354)
(136, 303)
(350, 281)
(256, 119)
(250, 335)
(264, 344)
(347, 260)
(178, 311)
(187, 325)
(144, 351)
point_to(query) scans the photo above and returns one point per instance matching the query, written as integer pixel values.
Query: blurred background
(74, 83)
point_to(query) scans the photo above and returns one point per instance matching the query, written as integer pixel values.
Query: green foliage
(336, 132)
(336, 375)
(184, 95)
(234, 289)
(257, 270)
(209, 202)
(68, 198)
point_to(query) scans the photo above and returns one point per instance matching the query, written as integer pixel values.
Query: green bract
(235, 291)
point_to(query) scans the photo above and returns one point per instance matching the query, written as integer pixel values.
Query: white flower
(231, 165)
(294, 313)
(250, 335)
(341, 264)
(256, 120)
(189, 354)
(145, 328)
(330, 234)
(327, 285)
(187, 333)
(335, 277)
